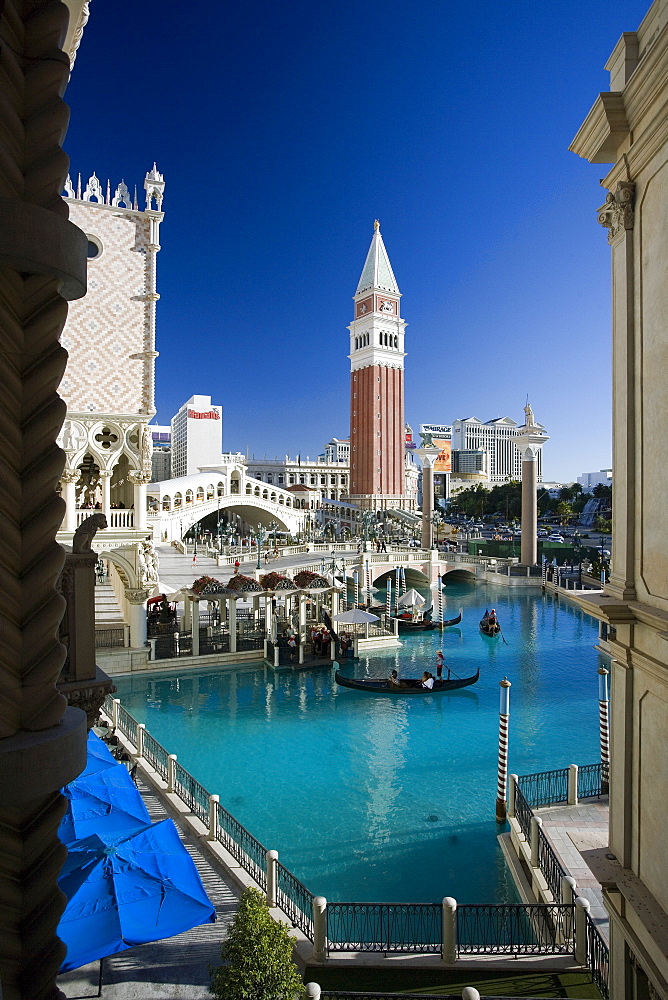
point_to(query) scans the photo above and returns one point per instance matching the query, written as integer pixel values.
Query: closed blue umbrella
(128, 891)
(103, 799)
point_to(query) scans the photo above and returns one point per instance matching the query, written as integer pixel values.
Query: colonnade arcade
(108, 468)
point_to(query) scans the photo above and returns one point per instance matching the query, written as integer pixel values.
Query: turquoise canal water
(376, 799)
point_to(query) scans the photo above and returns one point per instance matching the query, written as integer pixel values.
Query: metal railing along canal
(446, 928)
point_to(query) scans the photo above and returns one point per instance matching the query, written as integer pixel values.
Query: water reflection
(352, 788)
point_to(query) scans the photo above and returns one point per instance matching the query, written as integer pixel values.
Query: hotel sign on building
(441, 435)
(207, 415)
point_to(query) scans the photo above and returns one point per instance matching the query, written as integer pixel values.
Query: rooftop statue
(530, 420)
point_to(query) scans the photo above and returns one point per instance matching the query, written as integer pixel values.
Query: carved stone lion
(85, 533)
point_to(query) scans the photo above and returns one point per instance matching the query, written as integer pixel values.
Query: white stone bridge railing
(115, 519)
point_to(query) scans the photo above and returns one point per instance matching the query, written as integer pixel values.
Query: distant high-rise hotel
(197, 436)
(377, 385)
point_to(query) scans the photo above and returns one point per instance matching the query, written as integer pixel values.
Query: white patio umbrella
(411, 599)
(355, 617)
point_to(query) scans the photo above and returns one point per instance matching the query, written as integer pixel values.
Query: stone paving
(571, 830)
(175, 968)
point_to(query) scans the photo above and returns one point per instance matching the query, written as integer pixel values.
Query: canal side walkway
(572, 830)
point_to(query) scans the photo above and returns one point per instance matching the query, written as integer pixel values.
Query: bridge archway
(414, 577)
(459, 575)
(174, 523)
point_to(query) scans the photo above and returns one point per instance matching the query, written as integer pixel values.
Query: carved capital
(105, 473)
(137, 596)
(70, 476)
(89, 695)
(137, 478)
(617, 213)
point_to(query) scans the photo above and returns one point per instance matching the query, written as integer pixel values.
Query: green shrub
(257, 956)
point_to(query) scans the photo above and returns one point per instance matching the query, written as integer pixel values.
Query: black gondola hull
(382, 686)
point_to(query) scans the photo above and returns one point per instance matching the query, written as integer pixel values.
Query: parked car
(542, 533)
(555, 538)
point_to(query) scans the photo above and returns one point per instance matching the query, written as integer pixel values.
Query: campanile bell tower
(377, 385)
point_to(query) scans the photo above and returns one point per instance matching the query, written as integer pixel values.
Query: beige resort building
(627, 128)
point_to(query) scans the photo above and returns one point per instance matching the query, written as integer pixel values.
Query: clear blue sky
(284, 129)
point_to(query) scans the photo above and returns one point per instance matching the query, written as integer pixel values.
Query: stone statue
(529, 418)
(147, 561)
(427, 440)
(72, 437)
(146, 448)
(85, 533)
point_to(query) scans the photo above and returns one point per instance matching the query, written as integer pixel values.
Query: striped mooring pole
(604, 728)
(502, 773)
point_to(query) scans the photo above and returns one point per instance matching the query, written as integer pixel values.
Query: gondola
(489, 629)
(409, 686)
(420, 621)
(451, 621)
(410, 625)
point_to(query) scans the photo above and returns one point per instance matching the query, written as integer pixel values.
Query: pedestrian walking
(292, 646)
(236, 566)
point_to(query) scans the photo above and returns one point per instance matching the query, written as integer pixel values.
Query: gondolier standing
(439, 665)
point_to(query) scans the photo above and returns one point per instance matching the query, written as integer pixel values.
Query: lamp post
(437, 520)
(273, 527)
(577, 544)
(260, 535)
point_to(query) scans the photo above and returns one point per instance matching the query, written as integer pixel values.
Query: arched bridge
(175, 505)
(420, 566)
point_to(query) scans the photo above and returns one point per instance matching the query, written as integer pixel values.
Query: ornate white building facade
(109, 380)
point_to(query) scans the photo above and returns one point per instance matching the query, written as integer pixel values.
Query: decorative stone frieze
(137, 478)
(136, 596)
(617, 213)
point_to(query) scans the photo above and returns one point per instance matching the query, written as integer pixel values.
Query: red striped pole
(502, 773)
(604, 727)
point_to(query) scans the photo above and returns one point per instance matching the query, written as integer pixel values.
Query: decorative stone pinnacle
(617, 213)
(376, 225)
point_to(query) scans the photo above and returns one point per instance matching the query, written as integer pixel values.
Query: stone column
(42, 266)
(69, 480)
(530, 439)
(139, 482)
(428, 455)
(529, 550)
(195, 629)
(232, 618)
(618, 217)
(105, 482)
(137, 614)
